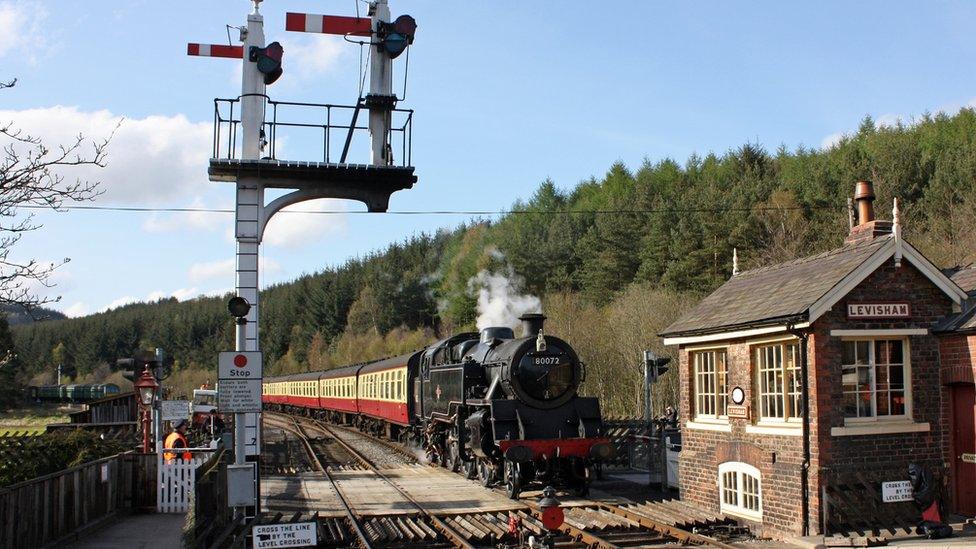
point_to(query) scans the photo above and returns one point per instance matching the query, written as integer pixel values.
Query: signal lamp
(238, 306)
(268, 59)
(396, 36)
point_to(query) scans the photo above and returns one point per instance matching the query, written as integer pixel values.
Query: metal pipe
(803, 336)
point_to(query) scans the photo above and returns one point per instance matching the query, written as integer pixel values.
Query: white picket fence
(176, 480)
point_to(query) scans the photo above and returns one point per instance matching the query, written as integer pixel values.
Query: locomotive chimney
(532, 323)
(867, 227)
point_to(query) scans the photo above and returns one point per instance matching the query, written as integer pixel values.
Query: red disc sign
(240, 361)
(552, 517)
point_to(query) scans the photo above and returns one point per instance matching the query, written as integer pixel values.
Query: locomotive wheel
(513, 480)
(486, 472)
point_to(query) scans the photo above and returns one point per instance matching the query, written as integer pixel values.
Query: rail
(57, 506)
(458, 539)
(337, 125)
(354, 522)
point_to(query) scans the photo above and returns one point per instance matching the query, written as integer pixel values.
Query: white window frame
(906, 364)
(792, 415)
(717, 397)
(740, 470)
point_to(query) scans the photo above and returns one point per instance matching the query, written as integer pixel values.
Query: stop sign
(240, 361)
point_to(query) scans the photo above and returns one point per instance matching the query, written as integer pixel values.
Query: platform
(143, 531)
(370, 184)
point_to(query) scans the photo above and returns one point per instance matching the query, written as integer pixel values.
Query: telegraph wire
(147, 209)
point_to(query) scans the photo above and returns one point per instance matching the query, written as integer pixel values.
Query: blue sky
(506, 94)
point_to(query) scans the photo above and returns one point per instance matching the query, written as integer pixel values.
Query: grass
(33, 418)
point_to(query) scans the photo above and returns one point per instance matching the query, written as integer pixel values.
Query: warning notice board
(298, 534)
(239, 395)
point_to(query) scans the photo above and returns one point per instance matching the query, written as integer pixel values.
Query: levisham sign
(878, 310)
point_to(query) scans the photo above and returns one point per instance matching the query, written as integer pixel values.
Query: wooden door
(964, 447)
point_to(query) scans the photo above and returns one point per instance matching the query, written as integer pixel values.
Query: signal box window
(876, 379)
(711, 382)
(740, 490)
(777, 375)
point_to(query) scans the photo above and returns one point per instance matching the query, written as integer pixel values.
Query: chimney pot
(532, 323)
(864, 196)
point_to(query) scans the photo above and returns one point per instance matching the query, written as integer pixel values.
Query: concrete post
(380, 83)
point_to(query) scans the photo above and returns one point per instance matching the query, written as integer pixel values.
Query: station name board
(878, 310)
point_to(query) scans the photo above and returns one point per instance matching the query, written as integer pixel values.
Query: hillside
(613, 260)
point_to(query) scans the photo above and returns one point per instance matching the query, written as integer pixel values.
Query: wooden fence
(44, 510)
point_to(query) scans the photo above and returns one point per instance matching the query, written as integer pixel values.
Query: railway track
(418, 528)
(589, 523)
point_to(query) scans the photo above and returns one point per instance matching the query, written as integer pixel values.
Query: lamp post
(146, 387)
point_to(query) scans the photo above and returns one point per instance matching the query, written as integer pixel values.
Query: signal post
(251, 165)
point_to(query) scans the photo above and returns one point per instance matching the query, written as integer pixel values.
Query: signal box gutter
(372, 185)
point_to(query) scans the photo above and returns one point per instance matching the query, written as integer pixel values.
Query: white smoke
(500, 298)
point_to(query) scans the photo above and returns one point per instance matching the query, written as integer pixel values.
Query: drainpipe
(803, 336)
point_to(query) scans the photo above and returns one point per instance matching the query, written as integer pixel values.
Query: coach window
(876, 379)
(776, 373)
(710, 376)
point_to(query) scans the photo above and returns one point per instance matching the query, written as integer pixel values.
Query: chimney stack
(867, 227)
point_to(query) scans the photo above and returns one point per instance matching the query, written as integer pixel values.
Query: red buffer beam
(215, 50)
(328, 24)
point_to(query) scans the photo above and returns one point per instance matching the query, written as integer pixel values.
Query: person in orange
(177, 439)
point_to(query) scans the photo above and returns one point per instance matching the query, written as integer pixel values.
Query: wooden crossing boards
(438, 491)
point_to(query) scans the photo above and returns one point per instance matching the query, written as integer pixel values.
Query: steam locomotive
(493, 406)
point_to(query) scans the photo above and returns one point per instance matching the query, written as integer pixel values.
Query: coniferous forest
(614, 260)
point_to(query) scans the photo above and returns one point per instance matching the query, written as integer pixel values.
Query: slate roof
(769, 295)
(965, 278)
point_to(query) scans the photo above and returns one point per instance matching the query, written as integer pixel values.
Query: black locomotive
(489, 404)
(506, 409)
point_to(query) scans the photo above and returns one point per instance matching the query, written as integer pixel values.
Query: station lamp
(146, 386)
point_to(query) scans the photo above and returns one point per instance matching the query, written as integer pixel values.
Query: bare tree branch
(31, 173)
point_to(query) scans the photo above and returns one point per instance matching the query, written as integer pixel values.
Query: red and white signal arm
(239, 365)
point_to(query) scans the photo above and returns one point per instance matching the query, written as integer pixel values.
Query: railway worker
(177, 439)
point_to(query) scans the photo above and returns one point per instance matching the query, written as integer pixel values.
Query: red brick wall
(885, 452)
(958, 352)
(779, 458)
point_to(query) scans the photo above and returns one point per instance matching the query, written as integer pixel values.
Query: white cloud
(124, 300)
(22, 31)
(76, 309)
(150, 159)
(312, 55)
(188, 221)
(224, 269)
(294, 230)
(831, 140)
